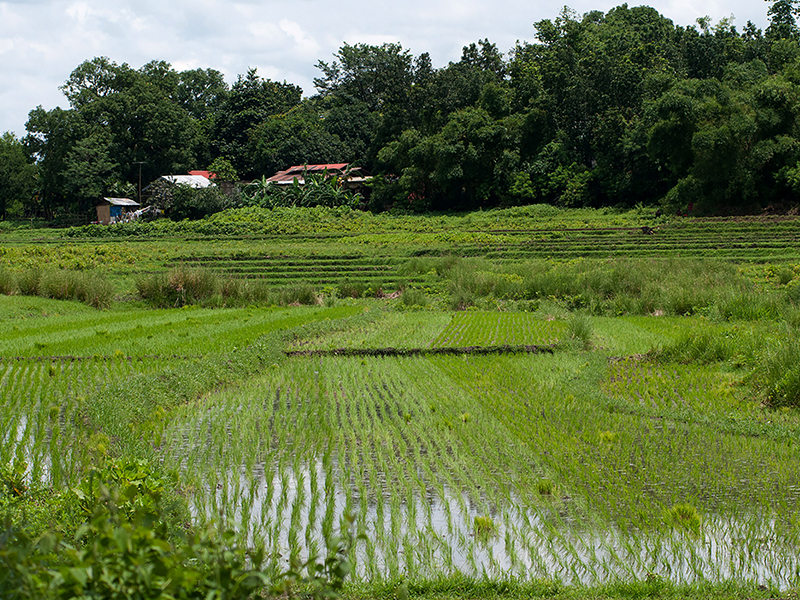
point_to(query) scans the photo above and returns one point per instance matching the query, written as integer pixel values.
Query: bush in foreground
(125, 549)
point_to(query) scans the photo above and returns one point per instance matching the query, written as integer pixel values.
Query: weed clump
(186, 286)
(778, 373)
(88, 288)
(484, 527)
(698, 347)
(579, 329)
(413, 297)
(683, 516)
(8, 284)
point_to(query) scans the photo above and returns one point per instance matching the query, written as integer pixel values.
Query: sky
(43, 41)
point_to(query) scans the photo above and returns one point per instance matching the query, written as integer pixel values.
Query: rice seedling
(484, 527)
(683, 516)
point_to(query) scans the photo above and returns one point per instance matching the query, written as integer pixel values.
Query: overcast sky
(42, 41)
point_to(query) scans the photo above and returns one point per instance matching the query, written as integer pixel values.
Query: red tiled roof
(296, 172)
(206, 174)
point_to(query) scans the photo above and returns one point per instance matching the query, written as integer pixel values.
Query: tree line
(615, 108)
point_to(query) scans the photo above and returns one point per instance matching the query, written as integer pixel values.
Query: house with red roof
(354, 177)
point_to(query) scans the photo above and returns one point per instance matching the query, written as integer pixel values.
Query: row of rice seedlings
(40, 416)
(359, 438)
(625, 475)
(155, 332)
(689, 388)
(468, 328)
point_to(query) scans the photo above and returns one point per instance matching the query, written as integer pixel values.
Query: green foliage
(17, 177)
(249, 102)
(125, 550)
(223, 169)
(317, 189)
(602, 109)
(777, 371)
(299, 136)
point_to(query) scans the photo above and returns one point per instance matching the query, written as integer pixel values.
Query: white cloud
(305, 43)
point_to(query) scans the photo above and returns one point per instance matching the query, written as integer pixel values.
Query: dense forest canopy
(601, 109)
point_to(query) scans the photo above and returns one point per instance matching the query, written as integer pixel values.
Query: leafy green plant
(131, 554)
(317, 189)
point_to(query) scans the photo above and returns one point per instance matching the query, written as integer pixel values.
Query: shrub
(413, 297)
(130, 554)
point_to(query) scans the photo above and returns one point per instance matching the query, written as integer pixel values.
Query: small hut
(111, 210)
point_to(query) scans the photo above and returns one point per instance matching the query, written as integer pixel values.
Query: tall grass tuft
(179, 287)
(297, 294)
(87, 287)
(777, 374)
(28, 282)
(8, 283)
(683, 516)
(579, 329)
(413, 297)
(702, 347)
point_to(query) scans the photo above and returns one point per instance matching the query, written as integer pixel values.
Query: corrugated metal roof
(296, 172)
(121, 202)
(195, 181)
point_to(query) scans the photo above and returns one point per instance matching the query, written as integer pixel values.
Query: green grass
(144, 332)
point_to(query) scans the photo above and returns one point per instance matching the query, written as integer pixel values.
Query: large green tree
(249, 103)
(17, 177)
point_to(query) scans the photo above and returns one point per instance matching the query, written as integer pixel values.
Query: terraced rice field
(377, 258)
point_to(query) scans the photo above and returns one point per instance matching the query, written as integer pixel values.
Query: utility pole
(140, 163)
